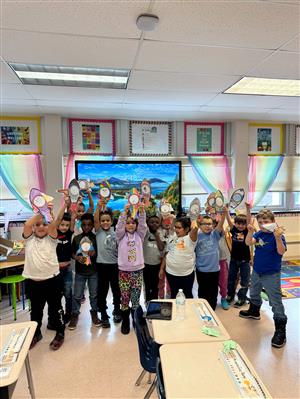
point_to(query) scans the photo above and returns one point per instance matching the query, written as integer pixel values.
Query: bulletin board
(265, 139)
(203, 138)
(92, 136)
(20, 135)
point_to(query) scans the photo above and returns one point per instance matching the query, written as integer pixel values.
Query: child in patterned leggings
(130, 234)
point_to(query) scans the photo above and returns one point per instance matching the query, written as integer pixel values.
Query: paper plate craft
(85, 185)
(270, 226)
(145, 192)
(39, 202)
(134, 201)
(236, 198)
(219, 201)
(195, 209)
(165, 211)
(210, 208)
(84, 247)
(105, 193)
(74, 193)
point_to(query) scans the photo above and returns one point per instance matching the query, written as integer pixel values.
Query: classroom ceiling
(178, 72)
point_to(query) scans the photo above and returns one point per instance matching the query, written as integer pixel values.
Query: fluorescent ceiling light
(71, 76)
(265, 87)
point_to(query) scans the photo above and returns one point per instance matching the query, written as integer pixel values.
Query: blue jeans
(66, 278)
(271, 283)
(80, 281)
(234, 267)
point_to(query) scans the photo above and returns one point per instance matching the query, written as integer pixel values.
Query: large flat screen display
(164, 179)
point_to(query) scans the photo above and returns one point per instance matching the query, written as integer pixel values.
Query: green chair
(13, 280)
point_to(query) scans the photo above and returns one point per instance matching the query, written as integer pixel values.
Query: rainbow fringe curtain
(20, 173)
(263, 171)
(213, 173)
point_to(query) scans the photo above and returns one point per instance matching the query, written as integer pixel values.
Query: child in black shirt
(240, 257)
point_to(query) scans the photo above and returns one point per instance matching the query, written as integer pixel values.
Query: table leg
(29, 377)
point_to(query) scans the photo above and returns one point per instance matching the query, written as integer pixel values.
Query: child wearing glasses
(207, 258)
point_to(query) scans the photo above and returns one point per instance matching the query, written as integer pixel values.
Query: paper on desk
(229, 345)
(210, 331)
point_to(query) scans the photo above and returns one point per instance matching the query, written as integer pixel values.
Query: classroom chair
(12, 281)
(160, 387)
(148, 349)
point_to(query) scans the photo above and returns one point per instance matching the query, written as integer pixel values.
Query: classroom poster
(147, 138)
(264, 139)
(91, 137)
(204, 139)
(15, 135)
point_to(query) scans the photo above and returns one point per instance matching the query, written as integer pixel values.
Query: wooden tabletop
(189, 329)
(5, 331)
(7, 265)
(196, 370)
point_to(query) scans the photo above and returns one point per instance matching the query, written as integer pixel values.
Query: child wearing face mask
(107, 264)
(153, 249)
(130, 235)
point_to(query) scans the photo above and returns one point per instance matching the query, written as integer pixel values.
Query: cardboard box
(7, 249)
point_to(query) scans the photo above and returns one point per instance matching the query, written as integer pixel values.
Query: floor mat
(290, 279)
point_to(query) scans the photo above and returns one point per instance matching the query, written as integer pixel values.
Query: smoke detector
(147, 22)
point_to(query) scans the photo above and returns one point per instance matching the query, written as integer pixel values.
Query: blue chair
(148, 349)
(160, 387)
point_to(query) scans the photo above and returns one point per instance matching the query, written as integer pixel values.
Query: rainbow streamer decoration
(263, 171)
(213, 173)
(21, 172)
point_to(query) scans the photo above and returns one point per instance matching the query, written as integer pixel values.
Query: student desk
(8, 265)
(196, 370)
(189, 329)
(7, 384)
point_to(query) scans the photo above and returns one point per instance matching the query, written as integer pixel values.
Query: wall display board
(92, 136)
(265, 139)
(20, 135)
(203, 138)
(150, 138)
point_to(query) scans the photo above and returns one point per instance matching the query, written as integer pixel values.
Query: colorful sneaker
(229, 299)
(224, 304)
(239, 304)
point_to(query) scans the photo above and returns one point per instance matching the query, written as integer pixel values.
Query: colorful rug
(290, 279)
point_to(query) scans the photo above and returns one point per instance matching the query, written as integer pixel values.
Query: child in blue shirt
(207, 259)
(270, 245)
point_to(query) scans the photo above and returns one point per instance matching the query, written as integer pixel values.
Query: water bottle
(180, 305)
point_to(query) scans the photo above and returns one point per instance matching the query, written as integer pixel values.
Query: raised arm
(194, 231)
(249, 240)
(162, 267)
(142, 226)
(280, 245)
(62, 210)
(228, 218)
(120, 227)
(91, 202)
(248, 212)
(222, 219)
(27, 231)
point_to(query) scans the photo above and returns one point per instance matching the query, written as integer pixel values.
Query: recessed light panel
(265, 87)
(50, 75)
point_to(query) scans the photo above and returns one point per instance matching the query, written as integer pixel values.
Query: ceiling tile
(14, 91)
(7, 75)
(281, 64)
(252, 24)
(55, 49)
(155, 56)
(75, 17)
(179, 82)
(293, 45)
(167, 97)
(243, 100)
(78, 104)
